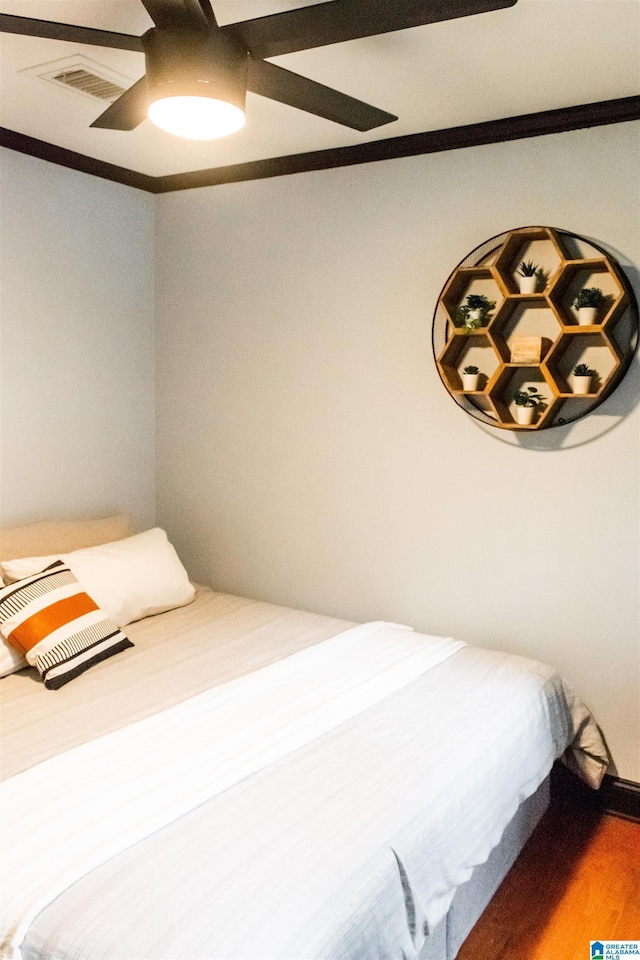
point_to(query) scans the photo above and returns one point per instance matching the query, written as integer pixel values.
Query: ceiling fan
(198, 73)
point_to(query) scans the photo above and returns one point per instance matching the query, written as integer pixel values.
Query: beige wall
(76, 301)
(308, 453)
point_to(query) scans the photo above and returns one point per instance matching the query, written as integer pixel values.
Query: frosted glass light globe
(196, 118)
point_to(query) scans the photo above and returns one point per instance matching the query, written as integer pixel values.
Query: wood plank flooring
(577, 879)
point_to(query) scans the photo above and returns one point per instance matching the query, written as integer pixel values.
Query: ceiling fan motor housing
(183, 62)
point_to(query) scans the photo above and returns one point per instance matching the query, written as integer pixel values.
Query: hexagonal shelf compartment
(533, 341)
(528, 317)
(475, 350)
(465, 282)
(519, 379)
(538, 245)
(593, 351)
(582, 275)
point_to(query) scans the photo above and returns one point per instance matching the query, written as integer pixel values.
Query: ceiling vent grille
(81, 74)
(89, 83)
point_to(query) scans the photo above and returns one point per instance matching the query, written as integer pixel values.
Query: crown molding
(522, 127)
(75, 161)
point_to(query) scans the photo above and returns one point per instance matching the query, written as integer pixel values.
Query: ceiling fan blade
(270, 80)
(339, 20)
(179, 13)
(128, 111)
(208, 11)
(49, 30)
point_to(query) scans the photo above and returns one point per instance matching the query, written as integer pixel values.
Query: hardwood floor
(577, 879)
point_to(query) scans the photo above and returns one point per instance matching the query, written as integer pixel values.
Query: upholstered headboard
(62, 536)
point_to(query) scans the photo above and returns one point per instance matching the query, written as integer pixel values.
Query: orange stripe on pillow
(41, 624)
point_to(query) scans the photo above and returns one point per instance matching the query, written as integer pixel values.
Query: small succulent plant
(589, 297)
(527, 398)
(477, 301)
(583, 370)
(528, 268)
(471, 369)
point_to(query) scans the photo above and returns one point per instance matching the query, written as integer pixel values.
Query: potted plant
(461, 316)
(582, 378)
(528, 276)
(587, 303)
(526, 402)
(470, 378)
(479, 307)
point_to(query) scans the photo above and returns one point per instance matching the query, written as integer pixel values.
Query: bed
(252, 781)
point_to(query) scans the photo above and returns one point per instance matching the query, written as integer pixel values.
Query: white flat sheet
(107, 794)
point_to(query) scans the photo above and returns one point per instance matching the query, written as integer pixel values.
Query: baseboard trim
(621, 798)
(616, 796)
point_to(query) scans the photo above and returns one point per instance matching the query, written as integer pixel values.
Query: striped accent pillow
(60, 630)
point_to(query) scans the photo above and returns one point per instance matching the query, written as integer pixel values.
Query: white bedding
(107, 794)
(352, 845)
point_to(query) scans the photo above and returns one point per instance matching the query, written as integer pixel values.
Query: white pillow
(128, 579)
(10, 660)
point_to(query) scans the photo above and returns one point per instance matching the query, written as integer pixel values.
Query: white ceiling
(537, 55)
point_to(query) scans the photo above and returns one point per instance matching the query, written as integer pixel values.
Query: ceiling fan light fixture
(196, 117)
(196, 82)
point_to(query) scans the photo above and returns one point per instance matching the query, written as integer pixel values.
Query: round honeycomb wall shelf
(530, 343)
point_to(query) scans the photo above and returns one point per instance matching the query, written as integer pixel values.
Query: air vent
(89, 83)
(82, 75)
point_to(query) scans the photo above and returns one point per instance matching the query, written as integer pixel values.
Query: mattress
(352, 845)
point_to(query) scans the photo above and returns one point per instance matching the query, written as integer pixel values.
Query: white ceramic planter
(582, 384)
(470, 381)
(524, 415)
(528, 284)
(587, 316)
(475, 314)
